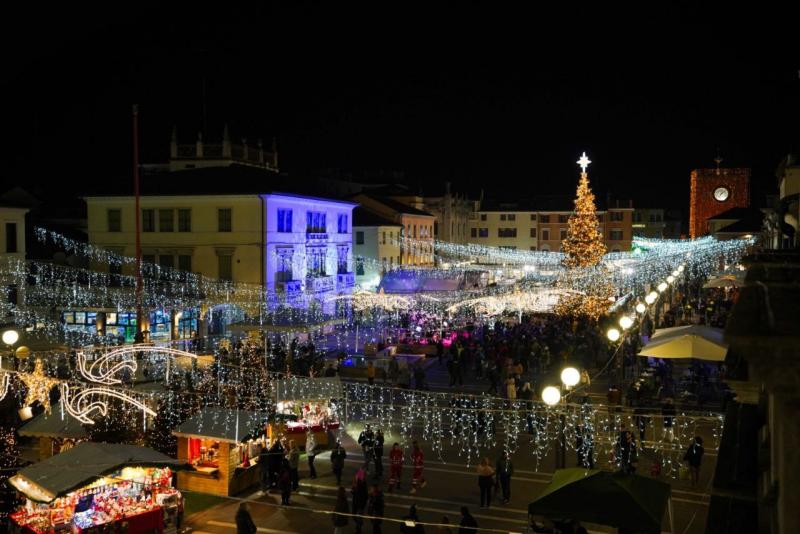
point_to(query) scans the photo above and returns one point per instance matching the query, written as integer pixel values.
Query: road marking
(260, 529)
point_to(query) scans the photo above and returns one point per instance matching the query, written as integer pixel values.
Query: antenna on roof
(718, 160)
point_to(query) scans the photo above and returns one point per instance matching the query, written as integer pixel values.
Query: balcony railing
(321, 283)
(289, 286)
(345, 279)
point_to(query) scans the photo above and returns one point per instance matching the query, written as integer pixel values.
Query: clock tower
(714, 191)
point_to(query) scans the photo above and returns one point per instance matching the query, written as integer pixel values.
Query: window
(284, 272)
(512, 216)
(533, 216)
(149, 259)
(341, 223)
(166, 261)
(11, 237)
(473, 232)
(383, 237)
(415, 231)
(544, 218)
(148, 220)
(284, 220)
(315, 261)
(185, 262)
(655, 217)
(166, 220)
(637, 216)
(615, 235)
(114, 220)
(316, 222)
(435, 228)
(359, 238)
(563, 218)
(506, 232)
(184, 220)
(507, 247)
(502, 216)
(391, 237)
(562, 234)
(616, 216)
(483, 216)
(546, 235)
(533, 232)
(483, 232)
(224, 223)
(225, 263)
(341, 260)
(533, 249)
(360, 266)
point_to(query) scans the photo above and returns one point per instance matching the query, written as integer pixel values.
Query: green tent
(633, 502)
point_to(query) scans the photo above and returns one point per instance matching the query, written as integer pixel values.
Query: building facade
(12, 247)
(416, 227)
(376, 247)
(714, 191)
(648, 222)
(451, 210)
(788, 174)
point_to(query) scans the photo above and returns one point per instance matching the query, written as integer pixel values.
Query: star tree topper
(584, 162)
(39, 386)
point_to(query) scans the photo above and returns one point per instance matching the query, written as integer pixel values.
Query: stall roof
(82, 464)
(53, 425)
(221, 424)
(300, 389)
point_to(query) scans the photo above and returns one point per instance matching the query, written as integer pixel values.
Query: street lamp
(670, 279)
(570, 376)
(10, 338)
(551, 395)
(625, 322)
(641, 308)
(662, 287)
(613, 334)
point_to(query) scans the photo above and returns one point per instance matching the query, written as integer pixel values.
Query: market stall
(55, 432)
(99, 487)
(223, 446)
(308, 404)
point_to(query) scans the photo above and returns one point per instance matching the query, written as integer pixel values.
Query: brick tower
(714, 191)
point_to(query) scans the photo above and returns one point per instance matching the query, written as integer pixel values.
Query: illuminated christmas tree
(584, 245)
(583, 249)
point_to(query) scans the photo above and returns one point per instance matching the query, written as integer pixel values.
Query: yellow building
(376, 247)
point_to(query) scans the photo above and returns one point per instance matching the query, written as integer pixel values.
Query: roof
(745, 226)
(223, 424)
(81, 465)
(735, 214)
(53, 425)
(400, 207)
(362, 217)
(301, 389)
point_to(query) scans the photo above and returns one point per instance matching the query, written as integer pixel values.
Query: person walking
(244, 522)
(418, 461)
(396, 459)
(340, 511)
(293, 457)
(311, 452)
(504, 471)
(285, 483)
(371, 373)
(367, 441)
(274, 462)
(511, 388)
(412, 517)
(468, 524)
(338, 455)
(378, 453)
(485, 474)
(264, 465)
(375, 508)
(359, 493)
(694, 457)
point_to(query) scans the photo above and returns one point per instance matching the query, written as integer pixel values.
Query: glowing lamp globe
(670, 279)
(570, 376)
(676, 272)
(641, 308)
(625, 322)
(662, 287)
(680, 268)
(650, 298)
(10, 337)
(613, 334)
(551, 395)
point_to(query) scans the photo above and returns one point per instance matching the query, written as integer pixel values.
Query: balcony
(321, 283)
(345, 280)
(289, 286)
(316, 237)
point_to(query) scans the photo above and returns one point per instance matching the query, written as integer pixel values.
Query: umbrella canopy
(724, 281)
(693, 342)
(627, 501)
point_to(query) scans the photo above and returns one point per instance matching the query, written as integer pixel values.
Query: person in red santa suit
(418, 461)
(396, 459)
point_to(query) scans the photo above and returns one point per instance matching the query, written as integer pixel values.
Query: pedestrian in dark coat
(468, 524)
(375, 507)
(244, 523)
(285, 483)
(338, 454)
(360, 497)
(340, 511)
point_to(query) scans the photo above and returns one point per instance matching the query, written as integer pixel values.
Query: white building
(376, 247)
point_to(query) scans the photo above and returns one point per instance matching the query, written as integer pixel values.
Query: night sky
(499, 99)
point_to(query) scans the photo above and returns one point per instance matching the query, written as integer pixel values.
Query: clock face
(721, 194)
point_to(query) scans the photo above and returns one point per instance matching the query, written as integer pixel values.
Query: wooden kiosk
(308, 404)
(56, 433)
(223, 445)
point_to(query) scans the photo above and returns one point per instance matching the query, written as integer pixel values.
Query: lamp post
(10, 338)
(551, 396)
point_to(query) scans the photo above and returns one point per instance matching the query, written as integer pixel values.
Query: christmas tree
(584, 245)
(587, 283)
